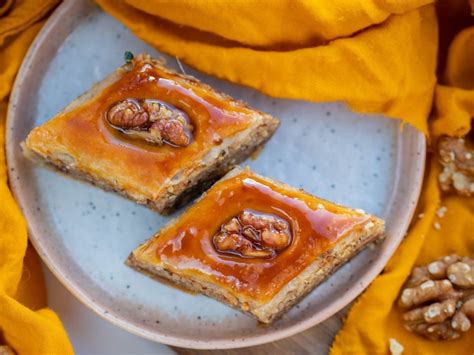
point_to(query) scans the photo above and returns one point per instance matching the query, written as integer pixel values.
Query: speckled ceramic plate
(84, 234)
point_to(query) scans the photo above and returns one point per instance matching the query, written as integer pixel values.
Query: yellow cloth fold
(25, 322)
(375, 318)
(378, 56)
(279, 24)
(454, 101)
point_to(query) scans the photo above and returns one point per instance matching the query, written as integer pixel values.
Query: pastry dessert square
(151, 134)
(256, 244)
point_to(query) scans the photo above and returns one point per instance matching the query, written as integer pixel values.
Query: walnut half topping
(440, 298)
(253, 235)
(153, 121)
(456, 155)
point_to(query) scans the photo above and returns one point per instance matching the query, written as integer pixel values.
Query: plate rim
(108, 314)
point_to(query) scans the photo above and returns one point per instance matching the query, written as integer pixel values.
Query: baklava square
(151, 134)
(256, 244)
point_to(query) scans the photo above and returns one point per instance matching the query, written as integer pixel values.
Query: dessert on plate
(151, 134)
(256, 244)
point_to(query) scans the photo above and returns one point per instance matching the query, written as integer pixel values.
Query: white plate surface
(84, 234)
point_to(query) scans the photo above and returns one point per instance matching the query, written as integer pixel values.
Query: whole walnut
(439, 298)
(152, 121)
(253, 234)
(456, 155)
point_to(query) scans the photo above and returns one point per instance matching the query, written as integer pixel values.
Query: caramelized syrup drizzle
(253, 234)
(187, 245)
(145, 166)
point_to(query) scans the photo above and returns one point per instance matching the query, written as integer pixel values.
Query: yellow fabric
(5, 6)
(303, 49)
(25, 322)
(378, 56)
(454, 103)
(374, 318)
(286, 23)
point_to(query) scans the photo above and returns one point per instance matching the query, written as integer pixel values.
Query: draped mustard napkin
(379, 56)
(26, 324)
(375, 318)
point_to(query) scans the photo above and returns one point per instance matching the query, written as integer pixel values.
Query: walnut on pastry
(151, 134)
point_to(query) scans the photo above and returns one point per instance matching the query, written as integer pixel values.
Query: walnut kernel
(456, 155)
(439, 298)
(152, 121)
(253, 234)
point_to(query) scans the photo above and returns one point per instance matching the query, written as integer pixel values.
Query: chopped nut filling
(254, 235)
(456, 155)
(440, 298)
(152, 121)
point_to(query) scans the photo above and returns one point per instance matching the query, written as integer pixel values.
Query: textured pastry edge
(185, 185)
(317, 272)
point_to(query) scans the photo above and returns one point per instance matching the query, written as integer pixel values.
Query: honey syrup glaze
(187, 246)
(213, 118)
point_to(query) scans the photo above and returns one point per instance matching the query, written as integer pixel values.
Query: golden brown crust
(121, 169)
(319, 271)
(179, 190)
(291, 293)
